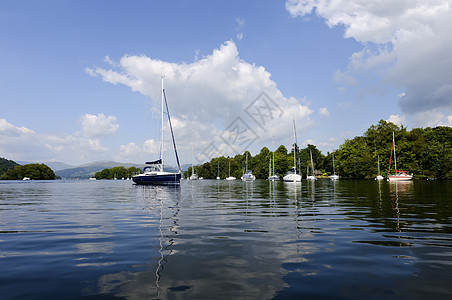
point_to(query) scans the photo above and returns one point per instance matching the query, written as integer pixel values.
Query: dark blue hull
(169, 179)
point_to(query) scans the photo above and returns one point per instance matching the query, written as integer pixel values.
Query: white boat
(154, 174)
(292, 175)
(271, 172)
(218, 176)
(230, 177)
(311, 177)
(334, 176)
(399, 174)
(379, 177)
(26, 178)
(193, 176)
(248, 176)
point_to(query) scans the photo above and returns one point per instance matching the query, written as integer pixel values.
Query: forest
(117, 172)
(424, 152)
(32, 171)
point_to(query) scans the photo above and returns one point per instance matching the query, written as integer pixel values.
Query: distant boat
(26, 178)
(311, 177)
(193, 176)
(379, 177)
(334, 176)
(399, 174)
(155, 173)
(230, 177)
(271, 171)
(292, 175)
(248, 176)
(218, 167)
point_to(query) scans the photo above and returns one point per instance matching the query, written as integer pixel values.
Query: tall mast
(273, 155)
(395, 159)
(294, 145)
(161, 142)
(334, 171)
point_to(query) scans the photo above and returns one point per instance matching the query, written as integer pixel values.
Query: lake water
(211, 239)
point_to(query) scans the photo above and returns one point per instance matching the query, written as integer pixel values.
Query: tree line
(117, 172)
(32, 171)
(425, 152)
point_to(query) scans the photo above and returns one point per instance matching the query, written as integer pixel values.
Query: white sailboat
(399, 174)
(334, 176)
(155, 173)
(292, 175)
(379, 177)
(271, 172)
(311, 177)
(218, 174)
(248, 176)
(193, 176)
(230, 177)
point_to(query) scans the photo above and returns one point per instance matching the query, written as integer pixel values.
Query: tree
(32, 171)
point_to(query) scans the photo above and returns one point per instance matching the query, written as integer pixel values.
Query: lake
(210, 239)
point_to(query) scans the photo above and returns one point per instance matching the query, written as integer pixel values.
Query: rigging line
(171, 128)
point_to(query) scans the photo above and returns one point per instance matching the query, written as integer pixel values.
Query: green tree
(32, 171)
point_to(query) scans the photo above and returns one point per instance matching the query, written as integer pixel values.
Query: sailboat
(399, 174)
(271, 172)
(311, 177)
(230, 177)
(193, 176)
(292, 175)
(248, 176)
(334, 176)
(154, 174)
(379, 177)
(218, 175)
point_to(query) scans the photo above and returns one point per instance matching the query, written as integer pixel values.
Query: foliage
(32, 171)
(117, 172)
(6, 164)
(425, 152)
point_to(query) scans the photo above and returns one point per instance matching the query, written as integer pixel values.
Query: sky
(80, 81)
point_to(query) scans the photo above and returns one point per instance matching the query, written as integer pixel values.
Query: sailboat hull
(157, 178)
(292, 178)
(400, 177)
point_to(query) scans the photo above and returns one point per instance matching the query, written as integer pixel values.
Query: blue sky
(79, 80)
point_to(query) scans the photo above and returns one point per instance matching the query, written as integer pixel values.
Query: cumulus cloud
(21, 143)
(323, 111)
(96, 126)
(205, 96)
(396, 119)
(408, 42)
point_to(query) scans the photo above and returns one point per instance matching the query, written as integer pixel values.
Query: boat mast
(273, 155)
(161, 142)
(312, 163)
(334, 171)
(294, 145)
(395, 159)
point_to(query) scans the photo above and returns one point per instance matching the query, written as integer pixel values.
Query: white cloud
(21, 143)
(323, 111)
(96, 126)
(407, 42)
(396, 119)
(205, 96)
(432, 118)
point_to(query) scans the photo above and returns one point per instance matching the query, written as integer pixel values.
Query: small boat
(379, 177)
(230, 177)
(26, 178)
(193, 176)
(248, 176)
(154, 174)
(292, 175)
(311, 177)
(334, 176)
(399, 174)
(271, 172)
(218, 176)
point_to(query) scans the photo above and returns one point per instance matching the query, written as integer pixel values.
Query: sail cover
(155, 162)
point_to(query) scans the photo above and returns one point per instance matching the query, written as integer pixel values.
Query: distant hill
(6, 164)
(54, 165)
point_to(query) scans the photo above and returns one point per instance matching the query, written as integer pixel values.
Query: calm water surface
(225, 240)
